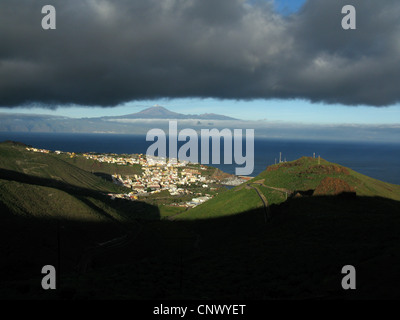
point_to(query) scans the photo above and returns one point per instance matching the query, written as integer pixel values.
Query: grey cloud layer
(110, 52)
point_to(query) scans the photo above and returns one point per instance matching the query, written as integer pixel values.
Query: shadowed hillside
(298, 254)
(319, 218)
(48, 205)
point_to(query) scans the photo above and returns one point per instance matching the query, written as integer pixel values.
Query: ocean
(377, 160)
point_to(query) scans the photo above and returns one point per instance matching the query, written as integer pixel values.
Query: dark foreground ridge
(54, 213)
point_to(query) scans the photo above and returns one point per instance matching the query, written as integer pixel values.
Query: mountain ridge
(158, 112)
(16, 122)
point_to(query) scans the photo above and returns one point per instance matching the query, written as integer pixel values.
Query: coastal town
(158, 175)
(178, 178)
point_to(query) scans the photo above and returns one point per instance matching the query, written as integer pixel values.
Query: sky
(285, 60)
(296, 111)
(288, 7)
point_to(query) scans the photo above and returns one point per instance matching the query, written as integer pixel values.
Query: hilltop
(303, 177)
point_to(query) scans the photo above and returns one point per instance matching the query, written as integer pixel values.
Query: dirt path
(267, 211)
(274, 188)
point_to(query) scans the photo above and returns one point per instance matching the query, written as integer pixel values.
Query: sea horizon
(378, 160)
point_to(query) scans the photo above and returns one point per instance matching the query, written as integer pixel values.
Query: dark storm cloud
(107, 52)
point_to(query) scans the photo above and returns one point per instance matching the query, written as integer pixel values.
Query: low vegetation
(56, 212)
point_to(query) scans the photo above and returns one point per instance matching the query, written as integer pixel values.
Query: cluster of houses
(158, 175)
(191, 204)
(156, 179)
(195, 201)
(71, 154)
(114, 158)
(141, 159)
(37, 150)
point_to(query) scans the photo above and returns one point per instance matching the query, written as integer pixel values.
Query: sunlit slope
(277, 182)
(231, 202)
(307, 173)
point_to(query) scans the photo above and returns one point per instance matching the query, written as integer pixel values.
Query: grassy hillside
(304, 174)
(101, 167)
(15, 158)
(307, 173)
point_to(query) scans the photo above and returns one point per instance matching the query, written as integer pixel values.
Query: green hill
(14, 157)
(296, 178)
(307, 173)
